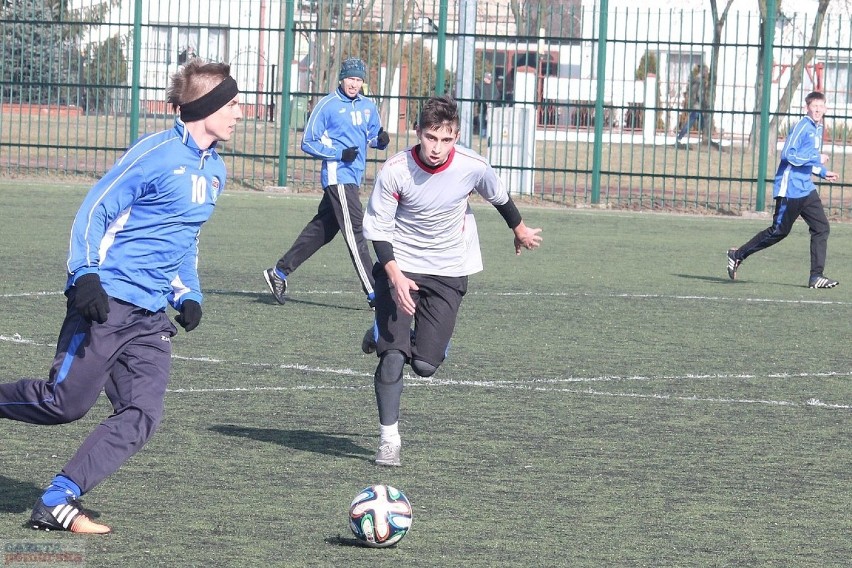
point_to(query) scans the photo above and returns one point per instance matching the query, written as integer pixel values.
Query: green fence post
(769, 40)
(597, 150)
(284, 126)
(442, 48)
(137, 72)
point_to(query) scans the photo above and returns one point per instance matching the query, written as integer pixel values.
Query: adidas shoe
(820, 281)
(733, 263)
(388, 455)
(277, 285)
(368, 343)
(68, 516)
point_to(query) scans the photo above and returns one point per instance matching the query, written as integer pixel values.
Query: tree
(648, 66)
(718, 25)
(104, 71)
(398, 51)
(796, 72)
(805, 58)
(560, 19)
(31, 67)
(395, 17)
(41, 58)
(386, 42)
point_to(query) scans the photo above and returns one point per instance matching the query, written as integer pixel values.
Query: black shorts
(437, 305)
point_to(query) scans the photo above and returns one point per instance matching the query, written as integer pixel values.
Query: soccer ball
(379, 516)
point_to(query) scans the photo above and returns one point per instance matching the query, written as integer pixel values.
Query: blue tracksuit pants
(129, 358)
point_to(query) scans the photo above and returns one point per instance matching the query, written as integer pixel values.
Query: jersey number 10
(199, 189)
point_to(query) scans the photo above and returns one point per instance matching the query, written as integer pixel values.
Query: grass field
(611, 399)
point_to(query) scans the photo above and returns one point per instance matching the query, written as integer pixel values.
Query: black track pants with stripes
(340, 210)
(787, 211)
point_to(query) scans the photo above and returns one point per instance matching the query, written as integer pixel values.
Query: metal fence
(573, 104)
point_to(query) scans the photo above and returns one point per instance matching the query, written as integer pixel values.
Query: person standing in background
(488, 96)
(697, 97)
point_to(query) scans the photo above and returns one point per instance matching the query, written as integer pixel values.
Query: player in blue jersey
(796, 195)
(341, 127)
(133, 251)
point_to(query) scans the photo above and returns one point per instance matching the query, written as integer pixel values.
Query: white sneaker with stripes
(820, 281)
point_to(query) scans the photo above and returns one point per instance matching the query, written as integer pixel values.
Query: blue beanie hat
(352, 67)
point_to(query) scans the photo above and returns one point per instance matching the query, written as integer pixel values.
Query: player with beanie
(342, 125)
(133, 252)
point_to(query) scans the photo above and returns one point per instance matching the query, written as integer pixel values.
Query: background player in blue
(133, 250)
(424, 234)
(341, 127)
(796, 195)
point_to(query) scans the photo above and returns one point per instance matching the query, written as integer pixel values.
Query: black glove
(349, 154)
(90, 299)
(190, 315)
(383, 139)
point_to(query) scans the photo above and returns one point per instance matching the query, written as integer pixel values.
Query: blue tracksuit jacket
(336, 123)
(800, 159)
(138, 226)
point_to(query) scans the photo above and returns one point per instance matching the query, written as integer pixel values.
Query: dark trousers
(437, 302)
(437, 305)
(787, 211)
(128, 357)
(339, 210)
(690, 120)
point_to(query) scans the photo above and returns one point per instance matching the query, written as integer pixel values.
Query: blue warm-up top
(138, 226)
(800, 159)
(337, 123)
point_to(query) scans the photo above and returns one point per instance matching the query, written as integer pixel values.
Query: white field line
(31, 294)
(530, 294)
(532, 384)
(445, 382)
(578, 295)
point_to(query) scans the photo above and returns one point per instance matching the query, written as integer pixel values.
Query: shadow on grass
(343, 541)
(18, 496)
(726, 280)
(346, 541)
(365, 307)
(305, 440)
(267, 299)
(720, 279)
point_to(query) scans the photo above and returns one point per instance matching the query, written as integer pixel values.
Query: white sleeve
(380, 216)
(490, 187)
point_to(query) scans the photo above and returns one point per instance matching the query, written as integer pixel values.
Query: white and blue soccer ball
(379, 516)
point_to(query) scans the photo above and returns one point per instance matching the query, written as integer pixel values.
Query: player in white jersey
(424, 234)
